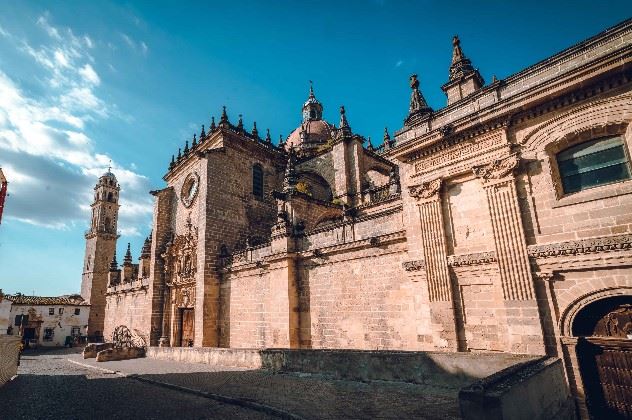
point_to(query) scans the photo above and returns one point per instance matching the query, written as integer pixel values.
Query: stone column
(524, 329)
(434, 247)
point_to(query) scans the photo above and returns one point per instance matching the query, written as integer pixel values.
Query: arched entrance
(604, 353)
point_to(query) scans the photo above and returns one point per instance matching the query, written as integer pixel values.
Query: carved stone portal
(180, 257)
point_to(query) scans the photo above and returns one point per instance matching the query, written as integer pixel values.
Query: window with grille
(77, 311)
(257, 181)
(593, 163)
(51, 311)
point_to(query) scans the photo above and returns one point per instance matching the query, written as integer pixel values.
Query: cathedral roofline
(517, 87)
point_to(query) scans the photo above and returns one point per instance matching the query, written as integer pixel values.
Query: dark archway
(604, 352)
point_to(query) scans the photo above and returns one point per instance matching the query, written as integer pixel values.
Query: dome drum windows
(593, 163)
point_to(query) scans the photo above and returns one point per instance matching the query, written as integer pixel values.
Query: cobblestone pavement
(48, 386)
(306, 396)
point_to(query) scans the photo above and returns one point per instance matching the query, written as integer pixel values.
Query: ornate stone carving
(415, 265)
(582, 246)
(183, 297)
(498, 169)
(425, 190)
(180, 257)
(435, 156)
(472, 259)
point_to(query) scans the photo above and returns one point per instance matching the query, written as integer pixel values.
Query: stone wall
(128, 304)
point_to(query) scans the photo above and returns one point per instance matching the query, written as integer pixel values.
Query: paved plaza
(61, 384)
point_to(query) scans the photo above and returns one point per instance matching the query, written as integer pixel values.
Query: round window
(189, 189)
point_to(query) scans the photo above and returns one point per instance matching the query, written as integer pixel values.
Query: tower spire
(127, 260)
(312, 108)
(113, 263)
(464, 79)
(418, 103)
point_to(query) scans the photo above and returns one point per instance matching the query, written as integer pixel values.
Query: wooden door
(187, 329)
(607, 374)
(605, 356)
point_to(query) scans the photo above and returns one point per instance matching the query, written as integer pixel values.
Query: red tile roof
(72, 300)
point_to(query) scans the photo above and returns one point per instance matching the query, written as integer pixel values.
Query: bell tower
(100, 248)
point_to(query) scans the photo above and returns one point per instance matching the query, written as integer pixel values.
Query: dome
(317, 132)
(109, 174)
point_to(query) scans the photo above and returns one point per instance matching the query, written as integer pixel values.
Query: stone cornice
(581, 246)
(373, 241)
(476, 258)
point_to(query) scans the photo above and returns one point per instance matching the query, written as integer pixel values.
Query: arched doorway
(604, 353)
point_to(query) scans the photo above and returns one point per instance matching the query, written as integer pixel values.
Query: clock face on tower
(190, 189)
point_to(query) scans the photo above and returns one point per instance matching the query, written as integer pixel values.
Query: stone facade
(455, 234)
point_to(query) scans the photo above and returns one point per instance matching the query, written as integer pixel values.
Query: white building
(44, 321)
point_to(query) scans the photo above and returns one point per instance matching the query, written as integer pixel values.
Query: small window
(51, 311)
(61, 311)
(21, 320)
(257, 181)
(75, 331)
(77, 311)
(49, 333)
(593, 163)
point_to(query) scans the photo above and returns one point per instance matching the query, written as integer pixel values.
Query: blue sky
(83, 83)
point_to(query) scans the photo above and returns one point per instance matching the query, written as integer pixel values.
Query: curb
(242, 402)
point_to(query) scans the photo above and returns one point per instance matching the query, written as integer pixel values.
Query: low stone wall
(535, 390)
(9, 357)
(124, 353)
(440, 369)
(453, 370)
(244, 358)
(91, 350)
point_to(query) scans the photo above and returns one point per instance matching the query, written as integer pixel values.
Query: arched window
(257, 181)
(593, 163)
(110, 197)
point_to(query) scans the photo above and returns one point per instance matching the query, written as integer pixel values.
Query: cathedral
(501, 222)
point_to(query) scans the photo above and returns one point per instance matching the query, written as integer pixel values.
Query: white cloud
(399, 63)
(139, 46)
(90, 75)
(45, 151)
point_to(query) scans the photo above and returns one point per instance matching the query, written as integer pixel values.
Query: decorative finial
(224, 117)
(255, 132)
(387, 137)
(186, 147)
(281, 142)
(457, 53)
(343, 119)
(370, 145)
(494, 79)
(202, 134)
(179, 154)
(173, 162)
(240, 124)
(194, 141)
(127, 260)
(110, 166)
(213, 127)
(113, 263)
(268, 138)
(417, 101)
(311, 89)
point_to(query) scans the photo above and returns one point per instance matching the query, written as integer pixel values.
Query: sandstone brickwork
(455, 234)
